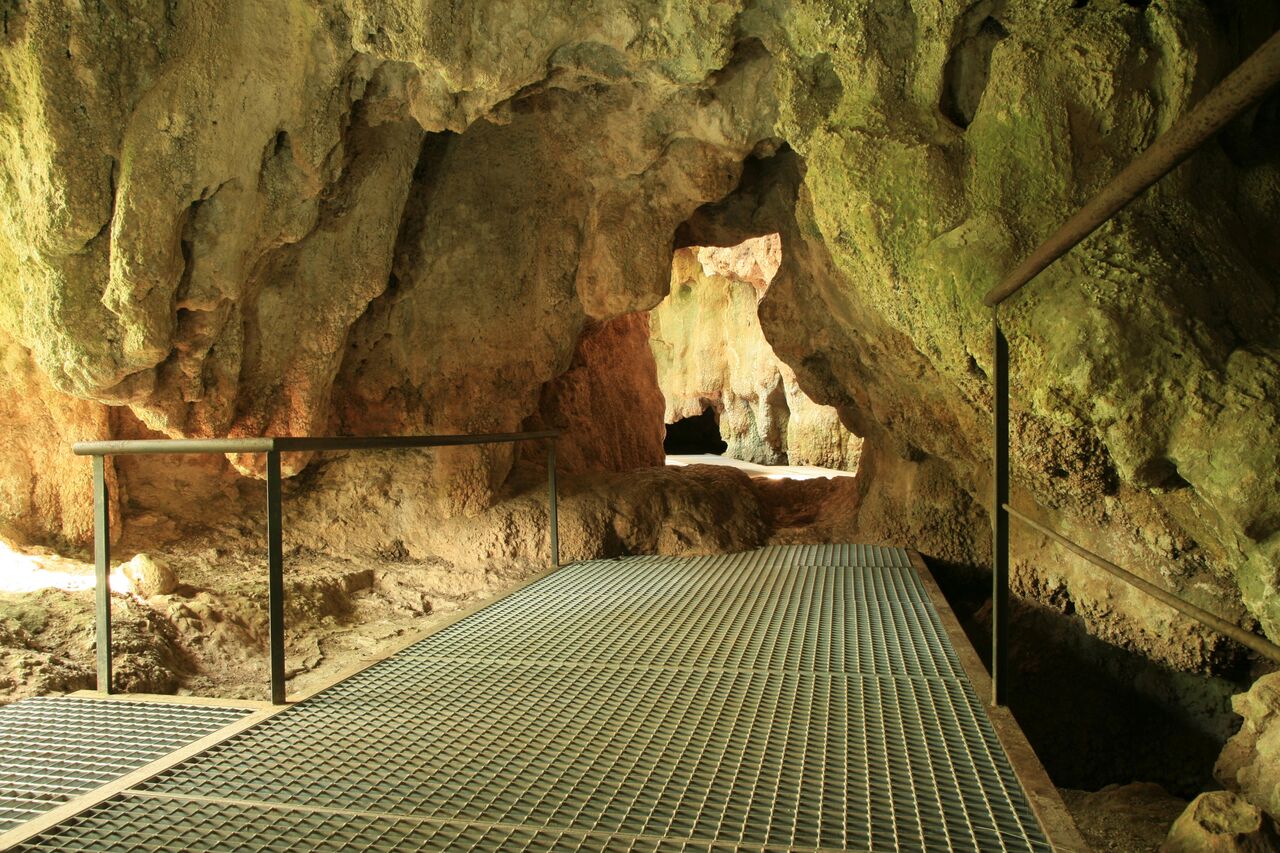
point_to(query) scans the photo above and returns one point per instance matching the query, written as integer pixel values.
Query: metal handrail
(297, 444)
(1260, 645)
(272, 447)
(1238, 91)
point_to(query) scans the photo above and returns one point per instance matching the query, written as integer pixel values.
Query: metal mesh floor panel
(712, 613)
(787, 759)
(206, 827)
(55, 748)
(871, 556)
(876, 556)
(757, 701)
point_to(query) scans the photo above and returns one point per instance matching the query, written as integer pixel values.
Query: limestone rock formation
(700, 509)
(1250, 762)
(607, 405)
(1221, 822)
(712, 354)
(270, 216)
(149, 576)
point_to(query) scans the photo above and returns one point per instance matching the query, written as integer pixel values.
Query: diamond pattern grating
(759, 701)
(55, 748)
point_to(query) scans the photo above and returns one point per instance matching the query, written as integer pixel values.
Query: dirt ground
(1131, 818)
(208, 637)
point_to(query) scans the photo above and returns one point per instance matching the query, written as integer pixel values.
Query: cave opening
(1099, 716)
(726, 392)
(698, 435)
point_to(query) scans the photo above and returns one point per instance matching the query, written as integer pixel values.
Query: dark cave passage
(696, 435)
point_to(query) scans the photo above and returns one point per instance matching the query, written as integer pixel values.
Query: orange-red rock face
(607, 404)
(45, 491)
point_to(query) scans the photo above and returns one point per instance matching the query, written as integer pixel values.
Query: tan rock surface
(712, 353)
(1250, 762)
(693, 510)
(1221, 822)
(148, 576)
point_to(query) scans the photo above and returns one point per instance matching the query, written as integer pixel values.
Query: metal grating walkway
(55, 749)
(787, 698)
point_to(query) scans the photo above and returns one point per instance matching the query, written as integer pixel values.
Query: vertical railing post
(102, 571)
(553, 514)
(275, 575)
(1000, 519)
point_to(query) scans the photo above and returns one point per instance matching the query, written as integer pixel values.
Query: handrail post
(102, 571)
(275, 577)
(553, 513)
(1000, 519)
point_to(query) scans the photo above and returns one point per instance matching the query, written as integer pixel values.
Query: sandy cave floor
(208, 635)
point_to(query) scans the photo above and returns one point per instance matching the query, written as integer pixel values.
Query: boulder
(1250, 761)
(1221, 822)
(150, 576)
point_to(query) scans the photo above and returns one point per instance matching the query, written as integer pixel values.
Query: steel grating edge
(55, 749)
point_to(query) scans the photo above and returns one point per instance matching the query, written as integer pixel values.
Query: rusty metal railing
(1233, 95)
(272, 447)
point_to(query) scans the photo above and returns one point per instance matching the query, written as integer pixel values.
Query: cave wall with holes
(712, 354)
(286, 217)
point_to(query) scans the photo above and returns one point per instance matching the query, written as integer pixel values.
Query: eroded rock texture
(607, 405)
(270, 216)
(712, 354)
(1221, 822)
(44, 490)
(1250, 762)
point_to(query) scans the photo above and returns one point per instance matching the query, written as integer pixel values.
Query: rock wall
(712, 353)
(270, 216)
(45, 492)
(1250, 763)
(607, 405)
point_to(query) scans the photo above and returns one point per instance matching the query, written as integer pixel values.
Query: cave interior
(753, 230)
